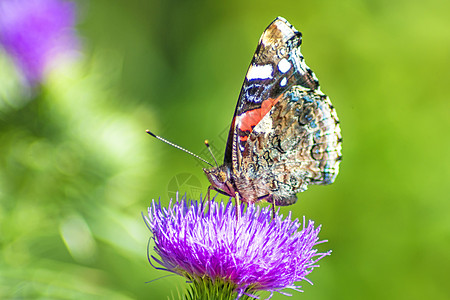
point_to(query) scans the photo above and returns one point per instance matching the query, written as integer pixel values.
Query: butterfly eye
(222, 176)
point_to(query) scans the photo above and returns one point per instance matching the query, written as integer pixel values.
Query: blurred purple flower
(35, 32)
(254, 253)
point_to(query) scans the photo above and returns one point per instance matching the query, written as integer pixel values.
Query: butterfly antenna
(212, 154)
(178, 147)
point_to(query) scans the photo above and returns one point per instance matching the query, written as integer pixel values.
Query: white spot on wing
(283, 81)
(284, 65)
(259, 72)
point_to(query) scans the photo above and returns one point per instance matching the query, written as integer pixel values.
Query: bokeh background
(77, 168)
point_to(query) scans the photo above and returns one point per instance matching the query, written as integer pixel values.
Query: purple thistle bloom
(34, 32)
(254, 253)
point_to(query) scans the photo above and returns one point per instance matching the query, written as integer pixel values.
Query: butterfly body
(285, 133)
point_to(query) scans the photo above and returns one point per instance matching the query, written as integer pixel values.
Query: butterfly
(285, 133)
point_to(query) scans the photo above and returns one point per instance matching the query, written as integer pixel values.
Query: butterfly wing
(276, 66)
(285, 132)
(297, 143)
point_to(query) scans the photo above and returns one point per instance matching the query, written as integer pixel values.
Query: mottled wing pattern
(276, 66)
(285, 133)
(297, 143)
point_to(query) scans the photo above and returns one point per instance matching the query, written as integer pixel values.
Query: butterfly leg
(238, 206)
(267, 198)
(274, 208)
(214, 189)
(209, 197)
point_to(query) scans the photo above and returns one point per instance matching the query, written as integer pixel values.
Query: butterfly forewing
(276, 66)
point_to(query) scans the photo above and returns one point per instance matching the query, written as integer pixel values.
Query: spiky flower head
(206, 244)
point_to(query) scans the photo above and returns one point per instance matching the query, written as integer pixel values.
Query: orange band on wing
(252, 117)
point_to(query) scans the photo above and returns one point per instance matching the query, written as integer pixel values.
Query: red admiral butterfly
(285, 133)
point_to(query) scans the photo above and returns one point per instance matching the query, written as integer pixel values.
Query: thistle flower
(35, 32)
(216, 252)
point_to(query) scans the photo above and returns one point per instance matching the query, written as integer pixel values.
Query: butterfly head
(219, 177)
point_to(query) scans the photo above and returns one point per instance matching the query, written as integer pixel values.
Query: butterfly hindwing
(297, 143)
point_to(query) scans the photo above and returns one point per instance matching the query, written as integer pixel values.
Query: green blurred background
(77, 169)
